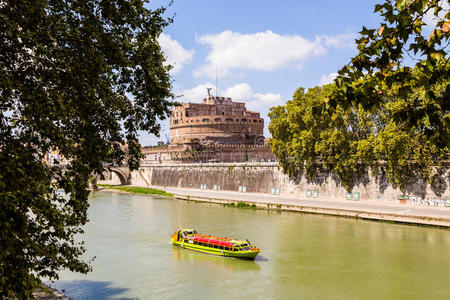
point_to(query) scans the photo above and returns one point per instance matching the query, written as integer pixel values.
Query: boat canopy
(212, 241)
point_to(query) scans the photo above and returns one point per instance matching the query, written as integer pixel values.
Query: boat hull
(251, 254)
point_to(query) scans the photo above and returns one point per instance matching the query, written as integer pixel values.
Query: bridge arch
(124, 178)
(122, 173)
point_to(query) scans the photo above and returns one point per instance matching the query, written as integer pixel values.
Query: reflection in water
(303, 256)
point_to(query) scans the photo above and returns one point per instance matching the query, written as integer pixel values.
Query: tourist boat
(190, 239)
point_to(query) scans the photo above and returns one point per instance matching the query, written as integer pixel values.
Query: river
(303, 256)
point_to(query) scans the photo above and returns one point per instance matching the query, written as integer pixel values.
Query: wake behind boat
(190, 239)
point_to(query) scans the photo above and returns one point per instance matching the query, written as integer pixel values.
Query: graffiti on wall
(427, 201)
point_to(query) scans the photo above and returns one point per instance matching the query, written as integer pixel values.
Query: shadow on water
(260, 258)
(87, 289)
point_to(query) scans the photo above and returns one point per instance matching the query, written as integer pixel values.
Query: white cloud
(197, 93)
(326, 79)
(256, 101)
(344, 40)
(265, 100)
(175, 54)
(265, 51)
(241, 92)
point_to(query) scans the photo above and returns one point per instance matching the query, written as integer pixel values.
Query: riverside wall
(268, 178)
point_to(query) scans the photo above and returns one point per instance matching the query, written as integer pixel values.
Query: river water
(303, 256)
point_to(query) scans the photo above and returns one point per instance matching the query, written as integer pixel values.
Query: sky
(261, 51)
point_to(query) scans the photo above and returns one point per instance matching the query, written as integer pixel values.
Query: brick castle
(216, 130)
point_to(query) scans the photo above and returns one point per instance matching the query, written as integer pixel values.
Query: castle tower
(216, 119)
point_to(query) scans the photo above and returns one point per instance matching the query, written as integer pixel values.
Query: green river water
(303, 256)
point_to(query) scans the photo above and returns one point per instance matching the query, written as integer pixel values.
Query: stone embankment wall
(268, 178)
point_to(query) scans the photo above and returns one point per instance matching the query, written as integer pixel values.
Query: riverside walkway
(395, 212)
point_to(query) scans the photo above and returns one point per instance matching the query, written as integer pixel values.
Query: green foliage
(241, 204)
(348, 141)
(403, 60)
(136, 190)
(68, 70)
(380, 112)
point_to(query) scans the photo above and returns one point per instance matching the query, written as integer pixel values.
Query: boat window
(221, 247)
(227, 248)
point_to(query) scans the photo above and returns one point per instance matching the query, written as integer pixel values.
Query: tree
(82, 77)
(307, 139)
(399, 57)
(403, 68)
(380, 112)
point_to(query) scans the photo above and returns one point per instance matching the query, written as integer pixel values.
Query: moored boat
(190, 239)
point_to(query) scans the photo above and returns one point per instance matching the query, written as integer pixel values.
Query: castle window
(175, 121)
(186, 114)
(217, 119)
(237, 120)
(228, 120)
(244, 120)
(223, 113)
(259, 121)
(206, 120)
(254, 121)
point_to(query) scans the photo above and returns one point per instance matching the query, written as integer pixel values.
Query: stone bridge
(123, 173)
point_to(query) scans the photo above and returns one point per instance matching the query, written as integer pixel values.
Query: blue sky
(262, 50)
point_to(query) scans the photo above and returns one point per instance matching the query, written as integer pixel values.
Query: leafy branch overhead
(388, 109)
(409, 57)
(82, 78)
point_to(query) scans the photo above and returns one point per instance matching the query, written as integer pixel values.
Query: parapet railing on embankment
(240, 164)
